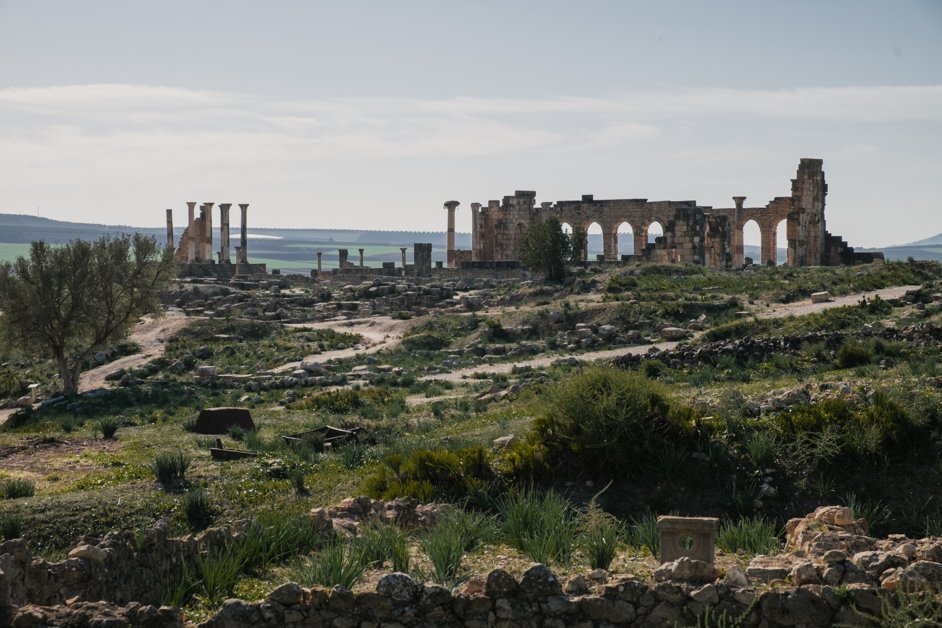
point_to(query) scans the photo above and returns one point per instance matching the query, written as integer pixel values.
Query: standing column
(191, 233)
(475, 233)
(245, 234)
(768, 244)
(361, 257)
(610, 243)
(402, 249)
(201, 235)
(451, 206)
(208, 234)
(224, 233)
(320, 255)
(739, 252)
(170, 229)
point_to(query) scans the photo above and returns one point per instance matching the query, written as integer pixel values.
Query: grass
(198, 509)
(338, 564)
(444, 546)
(541, 525)
(749, 535)
(11, 525)
(600, 536)
(170, 469)
(16, 488)
(385, 544)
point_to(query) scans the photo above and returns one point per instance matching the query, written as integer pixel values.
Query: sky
(371, 114)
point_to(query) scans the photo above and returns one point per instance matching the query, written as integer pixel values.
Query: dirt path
(378, 333)
(151, 335)
(799, 308)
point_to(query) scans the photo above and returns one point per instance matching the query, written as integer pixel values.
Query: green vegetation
(15, 488)
(546, 249)
(170, 469)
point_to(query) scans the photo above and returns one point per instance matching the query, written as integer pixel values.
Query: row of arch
(626, 240)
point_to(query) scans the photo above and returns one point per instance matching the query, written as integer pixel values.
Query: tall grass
(444, 548)
(219, 571)
(600, 535)
(874, 511)
(170, 468)
(385, 543)
(539, 525)
(643, 532)
(15, 488)
(751, 535)
(11, 525)
(339, 563)
(198, 509)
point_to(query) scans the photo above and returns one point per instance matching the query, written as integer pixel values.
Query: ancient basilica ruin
(693, 234)
(195, 255)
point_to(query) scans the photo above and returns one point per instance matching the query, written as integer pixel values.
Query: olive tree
(69, 301)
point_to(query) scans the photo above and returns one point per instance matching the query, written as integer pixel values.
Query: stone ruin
(693, 234)
(194, 254)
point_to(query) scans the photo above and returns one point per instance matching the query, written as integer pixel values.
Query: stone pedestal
(690, 537)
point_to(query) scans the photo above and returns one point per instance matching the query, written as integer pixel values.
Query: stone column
(170, 229)
(224, 233)
(402, 250)
(641, 242)
(199, 237)
(208, 238)
(451, 206)
(342, 255)
(244, 257)
(768, 244)
(320, 256)
(191, 232)
(475, 233)
(610, 243)
(739, 252)
(361, 257)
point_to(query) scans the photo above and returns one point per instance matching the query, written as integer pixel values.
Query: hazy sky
(371, 114)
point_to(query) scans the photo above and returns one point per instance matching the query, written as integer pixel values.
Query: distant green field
(9, 252)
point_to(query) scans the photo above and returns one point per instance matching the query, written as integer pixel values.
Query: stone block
(221, 420)
(687, 537)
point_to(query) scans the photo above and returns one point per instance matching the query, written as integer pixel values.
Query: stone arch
(651, 234)
(624, 235)
(751, 239)
(595, 239)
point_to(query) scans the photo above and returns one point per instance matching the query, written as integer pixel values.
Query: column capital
(225, 205)
(451, 205)
(244, 206)
(739, 200)
(191, 204)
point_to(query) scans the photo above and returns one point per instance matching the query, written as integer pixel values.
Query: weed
(170, 469)
(752, 535)
(297, 481)
(852, 353)
(11, 525)
(15, 488)
(444, 548)
(198, 509)
(907, 609)
(338, 564)
(539, 525)
(873, 511)
(108, 428)
(219, 570)
(237, 433)
(189, 425)
(385, 543)
(761, 447)
(643, 532)
(600, 535)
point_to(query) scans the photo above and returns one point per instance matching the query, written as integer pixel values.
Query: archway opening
(567, 228)
(781, 242)
(655, 231)
(752, 241)
(625, 242)
(594, 244)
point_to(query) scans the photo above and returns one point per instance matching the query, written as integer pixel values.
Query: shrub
(474, 527)
(237, 433)
(604, 419)
(873, 511)
(752, 535)
(852, 353)
(426, 474)
(425, 341)
(15, 488)
(219, 570)
(170, 468)
(198, 509)
(11, 525)
(297, 482)
(338, 564)
(108, 428)
(539, 525)
(600, 535)
(189, 425)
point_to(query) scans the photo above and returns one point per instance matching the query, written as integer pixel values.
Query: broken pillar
(422, 259)
(208, 234)
(739, 251)
(244, 254)
(475, 230)
(320, 256)
(451, 206)
(361, 257)
(224, 233)
(402, 249)
(342, 255)
(170, 229)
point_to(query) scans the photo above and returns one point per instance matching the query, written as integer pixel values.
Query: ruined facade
(693, 233)
(195, 255)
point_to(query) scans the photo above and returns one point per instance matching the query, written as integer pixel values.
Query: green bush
(15, 488)
(541, 526)
(444, 548)
(603, 420)
(170, 468)
(380, 544)
(425, 341)
(600, 534)
(643, 532)
(852, 353)
(432, 474)
(219, 570)
(198, 509)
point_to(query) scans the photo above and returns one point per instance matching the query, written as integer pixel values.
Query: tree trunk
(68, 375)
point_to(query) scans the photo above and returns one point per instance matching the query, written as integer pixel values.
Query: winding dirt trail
(378, 333)
(799, 308)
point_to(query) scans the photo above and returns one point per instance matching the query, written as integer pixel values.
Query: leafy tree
(547, 249)
(580, 241)
(72, 300)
